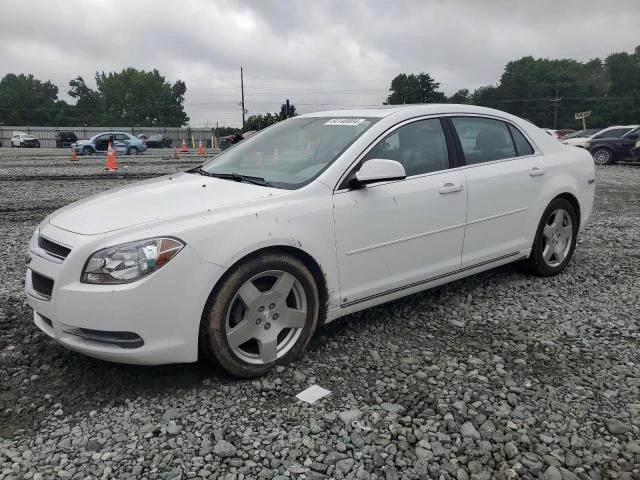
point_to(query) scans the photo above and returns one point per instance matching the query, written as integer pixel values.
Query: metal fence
(47, 135)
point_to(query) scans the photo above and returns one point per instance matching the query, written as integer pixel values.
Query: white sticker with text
(345, 121)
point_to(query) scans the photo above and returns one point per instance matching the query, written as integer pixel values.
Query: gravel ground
(501, 375)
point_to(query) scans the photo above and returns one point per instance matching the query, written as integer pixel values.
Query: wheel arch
(308, 261)
(571, 198)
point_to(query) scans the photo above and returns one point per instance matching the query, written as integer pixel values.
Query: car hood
(27, 137)
(161, 199)
(84, 142)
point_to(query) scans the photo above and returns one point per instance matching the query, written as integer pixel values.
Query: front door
(393, 235)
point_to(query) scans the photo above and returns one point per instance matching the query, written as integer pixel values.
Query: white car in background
(24, 140)
(307, 221)
(609, 132)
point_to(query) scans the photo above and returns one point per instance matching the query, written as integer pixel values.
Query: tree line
(129, 97)
(547, 92)
(544, 91)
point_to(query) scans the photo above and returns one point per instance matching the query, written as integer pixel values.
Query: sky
(321, 54)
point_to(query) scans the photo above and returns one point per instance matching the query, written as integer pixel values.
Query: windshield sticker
(345, 121)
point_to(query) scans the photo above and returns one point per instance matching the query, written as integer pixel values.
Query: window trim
(343, 181)
(464, 164)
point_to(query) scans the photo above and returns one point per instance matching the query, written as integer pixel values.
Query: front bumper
(152, 321)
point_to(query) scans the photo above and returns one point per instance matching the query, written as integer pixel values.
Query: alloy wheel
(602, 157)
(557, 237)
(266, 317)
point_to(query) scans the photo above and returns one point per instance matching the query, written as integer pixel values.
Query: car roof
(417, 109)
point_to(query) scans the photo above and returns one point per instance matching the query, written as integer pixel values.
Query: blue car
(122, 142)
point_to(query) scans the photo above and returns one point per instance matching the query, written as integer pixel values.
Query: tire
(132, 151)
(602, 156)
(87, 151)
(555, 239)
(247, 305)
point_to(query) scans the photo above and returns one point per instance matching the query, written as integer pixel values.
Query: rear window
(484, 139)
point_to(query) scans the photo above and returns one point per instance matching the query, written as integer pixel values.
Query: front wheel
(555, 239)
(132, 151)
(87, 151)
(263, 314)
(602, 156)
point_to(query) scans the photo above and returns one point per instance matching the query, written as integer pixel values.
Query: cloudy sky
(320, 54)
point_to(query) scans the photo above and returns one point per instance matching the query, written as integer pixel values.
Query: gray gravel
(501, 375)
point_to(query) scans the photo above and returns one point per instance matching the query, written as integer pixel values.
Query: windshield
(582, 133)
(292, 153)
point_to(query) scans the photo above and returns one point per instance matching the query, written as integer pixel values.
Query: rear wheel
(132, 151)
(262, 315)
(555, 239)
(602, 156)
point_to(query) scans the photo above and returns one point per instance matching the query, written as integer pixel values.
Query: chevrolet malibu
(314, 218)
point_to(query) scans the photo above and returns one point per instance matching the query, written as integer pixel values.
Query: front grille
(41, 284)
(52, 248)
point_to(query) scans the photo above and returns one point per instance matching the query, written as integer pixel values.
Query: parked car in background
(552, 133)
(317, 217)
(158, 141)
(123, 143)
(65, 139)
(587, 132)
(607, 150)
(609, 132)
(143, 137)
(563, 132)
(24, 140)
(229, 140)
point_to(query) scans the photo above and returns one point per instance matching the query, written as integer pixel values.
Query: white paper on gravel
(312, 394)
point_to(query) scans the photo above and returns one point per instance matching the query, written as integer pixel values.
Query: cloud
(322, 54)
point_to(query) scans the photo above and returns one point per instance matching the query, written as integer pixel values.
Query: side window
(420, 147)
(615, 133)
(523, 147)
(484, 139)
(120, 136)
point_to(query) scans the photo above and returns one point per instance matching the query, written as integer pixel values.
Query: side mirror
(378, 170)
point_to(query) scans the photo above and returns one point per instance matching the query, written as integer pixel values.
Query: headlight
(129, 262)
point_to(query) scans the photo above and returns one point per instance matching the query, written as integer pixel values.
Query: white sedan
(312, 219)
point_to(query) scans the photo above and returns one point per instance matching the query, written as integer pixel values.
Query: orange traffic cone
(175, 154)
(200, 149)
(111, 159)
(184, 146)
(74, 155)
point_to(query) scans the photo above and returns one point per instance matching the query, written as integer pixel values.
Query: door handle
(536, 172)
(450, 188)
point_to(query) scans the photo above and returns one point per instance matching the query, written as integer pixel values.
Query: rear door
(504, 176)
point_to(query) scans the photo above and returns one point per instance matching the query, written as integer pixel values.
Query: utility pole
(556, 102)
(242, 93)
(287, 104)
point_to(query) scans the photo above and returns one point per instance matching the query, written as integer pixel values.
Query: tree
(258, 122)
(130, 97)
(461, 96)
(283, 111)
(413, 88)
(24, 100)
